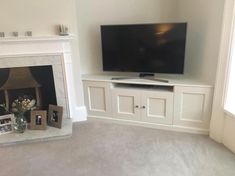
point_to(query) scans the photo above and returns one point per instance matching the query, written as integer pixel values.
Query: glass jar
(20, 123)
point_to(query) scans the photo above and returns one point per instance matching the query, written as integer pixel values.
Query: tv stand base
(157, 79)
(150, 76)
(142, 75)
(149, 102)
(145, 77)
(123, 78)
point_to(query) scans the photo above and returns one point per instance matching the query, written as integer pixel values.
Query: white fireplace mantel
(43, 46)
(11, 47)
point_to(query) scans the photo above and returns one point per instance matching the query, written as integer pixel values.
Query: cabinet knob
(143, 107)
(136, 106)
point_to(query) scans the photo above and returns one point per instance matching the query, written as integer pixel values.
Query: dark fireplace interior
(31, 82)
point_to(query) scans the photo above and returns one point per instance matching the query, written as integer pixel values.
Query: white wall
(204, 19)
(91, 14)
(42, 17)
(39, 16)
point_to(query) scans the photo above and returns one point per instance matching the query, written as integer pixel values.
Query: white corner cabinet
(178, 105)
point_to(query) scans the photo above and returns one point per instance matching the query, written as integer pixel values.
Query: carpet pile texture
(100, 148)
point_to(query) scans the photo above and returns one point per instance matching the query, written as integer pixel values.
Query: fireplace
(48, 67)
(35, 83)
(34, 57)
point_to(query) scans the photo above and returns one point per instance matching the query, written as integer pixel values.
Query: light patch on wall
(230, 95)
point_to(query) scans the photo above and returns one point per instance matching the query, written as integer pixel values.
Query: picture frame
(6, 124)
(55, 116)
(38, 120)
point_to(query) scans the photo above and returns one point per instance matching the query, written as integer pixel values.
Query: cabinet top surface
(135, 80)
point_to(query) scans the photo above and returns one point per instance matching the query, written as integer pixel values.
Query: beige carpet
(107, 149)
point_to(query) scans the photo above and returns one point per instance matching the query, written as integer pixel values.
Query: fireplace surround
(43, 51)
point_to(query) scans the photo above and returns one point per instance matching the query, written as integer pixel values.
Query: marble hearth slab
(38, 136)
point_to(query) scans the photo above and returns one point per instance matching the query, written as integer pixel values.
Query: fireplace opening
(35, 82)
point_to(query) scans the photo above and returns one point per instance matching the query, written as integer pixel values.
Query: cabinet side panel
(192, 107)
(96, 97)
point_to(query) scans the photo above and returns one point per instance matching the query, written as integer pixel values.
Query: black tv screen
(145, 48)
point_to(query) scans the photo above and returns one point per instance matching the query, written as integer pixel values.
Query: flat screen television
(144, 48)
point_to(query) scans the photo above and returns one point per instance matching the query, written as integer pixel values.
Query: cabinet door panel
(192, 107)
(124, 103)
(157, 107)
(97, 98)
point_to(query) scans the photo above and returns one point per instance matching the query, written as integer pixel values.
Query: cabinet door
(97, 98)
(157, 107)
(192, 107)
(125, 104)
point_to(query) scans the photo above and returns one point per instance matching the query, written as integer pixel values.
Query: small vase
(20, 123)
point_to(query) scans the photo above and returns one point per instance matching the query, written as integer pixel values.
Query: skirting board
(155, 126)
(80, 114)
